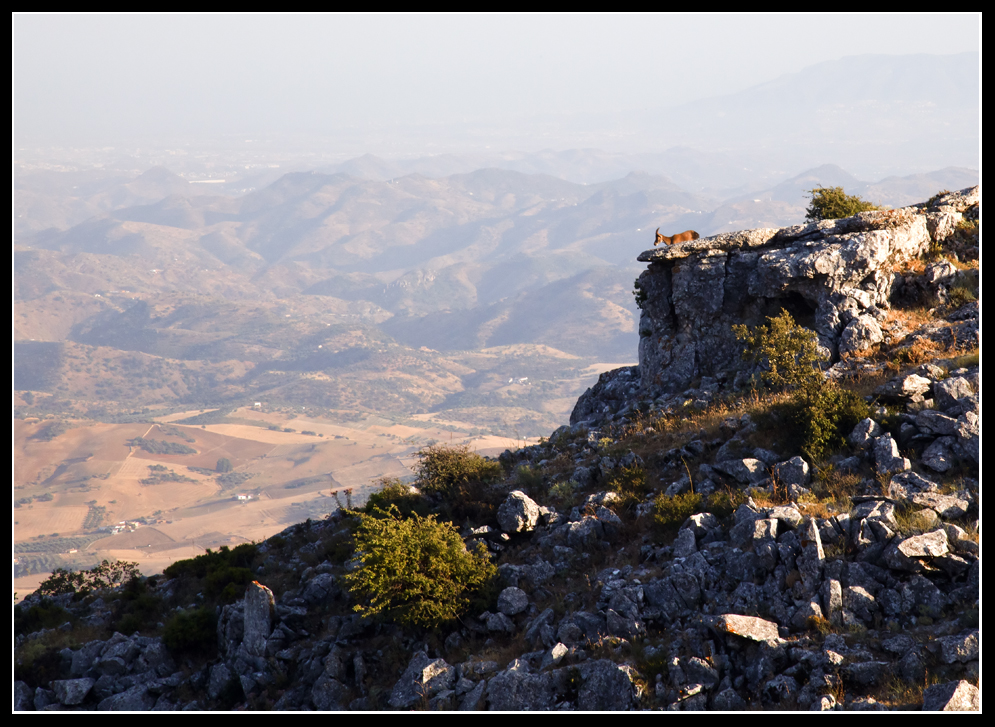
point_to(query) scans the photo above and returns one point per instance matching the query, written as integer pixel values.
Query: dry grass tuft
(831, 484)
(912, 317)
(922, 350)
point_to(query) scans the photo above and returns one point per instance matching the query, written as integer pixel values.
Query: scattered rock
(959, 696)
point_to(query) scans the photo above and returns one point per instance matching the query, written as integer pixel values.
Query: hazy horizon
(414, 84)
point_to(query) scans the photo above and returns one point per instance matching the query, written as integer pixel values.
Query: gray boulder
(219, 678)
(860, 334)
(135, 699)
(516, 689)
(72, 691)
(947, 392)
(904, 388)
(260, 607)
(887, 457)
(958, 696)
(605, 687)
(518, 513)
(864, 434)
(746, 471)
(794, 471)
(747, 627)
(512, 601)
(961, 648)
(423, 679)
(908, 554)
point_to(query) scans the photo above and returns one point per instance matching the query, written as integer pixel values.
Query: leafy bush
(394, 492)
(563, 491)
(630, 483)
(448, 470)
(640, 293)
(415, 571)
(227, 584)
(136, 608)
(530, 480)
(787, 351)
(459, 479)
(43, 615)
(159, 474)
(105, 575)
(832, 203)
(241, 556)
(935, 198)
(223, 465)
(960, 294)
(671, 512)
(723, 504)
(192, 633)
(819, 418)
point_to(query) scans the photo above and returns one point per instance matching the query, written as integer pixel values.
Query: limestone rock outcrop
(834, 276)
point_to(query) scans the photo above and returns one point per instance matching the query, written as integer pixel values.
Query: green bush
(670, 513)
(105, 575)
(449, 470)
(530, 480)
(415, 571)
(394, 492)
(241, 556)
(192, 633)
(640, 293)
(223, 465)
(724, 504)
(788, 352)
(220, 575)
(966, 290)
(44, 615)
(459, 480)
(228, 583)
(630, 483)
(832, 203)
(819, 418)
(136, 608)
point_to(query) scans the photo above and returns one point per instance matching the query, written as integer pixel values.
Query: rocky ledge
(837, 277)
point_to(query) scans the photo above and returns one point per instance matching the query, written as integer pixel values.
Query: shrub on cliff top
(415, 571)
(832, 203)
(105, 575)
(448, 470)
(394, 492)
(457, 482)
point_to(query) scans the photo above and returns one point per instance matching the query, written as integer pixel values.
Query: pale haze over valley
(311, 245)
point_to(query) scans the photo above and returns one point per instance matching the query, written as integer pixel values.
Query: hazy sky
(78, 76)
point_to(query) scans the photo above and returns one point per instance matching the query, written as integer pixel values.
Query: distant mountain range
(340, 277)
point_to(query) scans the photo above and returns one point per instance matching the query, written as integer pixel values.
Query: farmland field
(87, 477)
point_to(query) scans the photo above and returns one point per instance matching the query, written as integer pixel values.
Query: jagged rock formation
(782, 593)
(836, 277)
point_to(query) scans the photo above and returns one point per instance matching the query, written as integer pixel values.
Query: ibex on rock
(685, 236)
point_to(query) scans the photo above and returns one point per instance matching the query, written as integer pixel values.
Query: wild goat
(685, 236)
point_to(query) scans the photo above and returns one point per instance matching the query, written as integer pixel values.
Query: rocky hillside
(695, 539)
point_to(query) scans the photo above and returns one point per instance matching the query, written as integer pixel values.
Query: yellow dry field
(45, 518)
(293, 476)
(37, 462)
(182, 415)
(492, 446)
(368, 471)
(28, 584)
(149, 538)
(258, 434)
